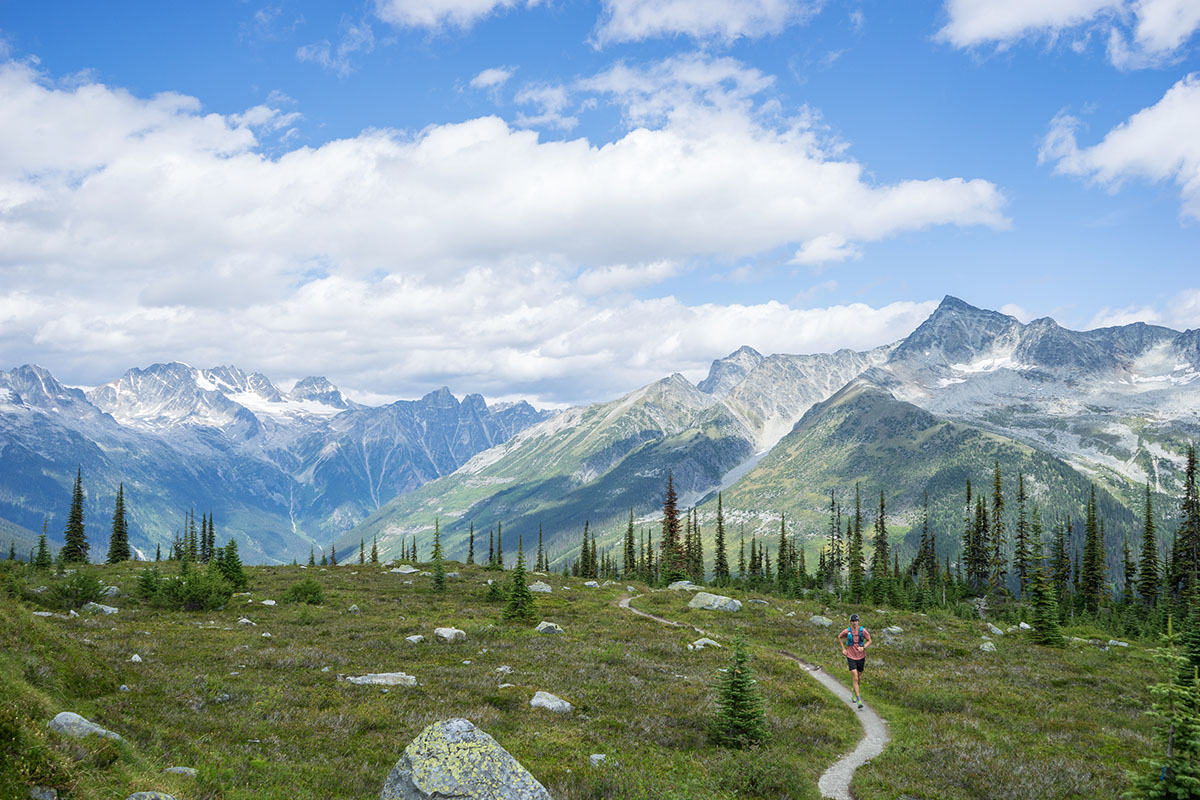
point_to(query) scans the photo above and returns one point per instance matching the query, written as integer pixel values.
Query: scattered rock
(188, 771)
(245, 621)
(992, 629)
(414, 639)
(43, 614)
(1011, 628)
(596, 759)
(895, 630)
(790, 614)
(538, 586)
(266, 636)
(1025, 626)
(451, 574)
(135, 659)
(504, 669)
(707, 601)
(630, 589)
(450, 634)
(110, 591)
(97, 608)
(548, 627)
(405, 570)
(506, 686)
(550, 703)
(43, 793)
(149, 796)
(684, 586)
(268, 602)
(383, 679)
(122, 688)
(756, 601)
(1115, 643)
(352, 609)
(988, 647)
(456, 759)
(71, 724)
(467, 663)
(817, 619)
(702, 643)
(591, 584)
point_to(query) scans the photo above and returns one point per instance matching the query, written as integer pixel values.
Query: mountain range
(286, 471)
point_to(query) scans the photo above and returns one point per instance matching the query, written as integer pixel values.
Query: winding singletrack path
(835, 781)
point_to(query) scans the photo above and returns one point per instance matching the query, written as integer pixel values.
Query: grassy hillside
(25, 540)
(261, 718)
(1022, 722)
(864, 435)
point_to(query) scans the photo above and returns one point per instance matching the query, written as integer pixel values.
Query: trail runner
(855, 640)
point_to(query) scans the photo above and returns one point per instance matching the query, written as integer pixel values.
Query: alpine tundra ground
(260, 717)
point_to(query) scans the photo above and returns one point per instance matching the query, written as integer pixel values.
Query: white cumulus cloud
(491, 78)
(723, 20)
(434, 14)
(1158, 143)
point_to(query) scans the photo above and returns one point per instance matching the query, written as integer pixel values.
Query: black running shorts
(857, 664)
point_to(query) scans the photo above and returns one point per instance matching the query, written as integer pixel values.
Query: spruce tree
(312, 556)
(585, 554)
(75, 545)
(1128, 571)
(1091, 572)
(43, 561)
(856, 567)
(696, 551)
(229, 565)
(332, 555)
(118, 542)
(721, 558)
(362, 551)
(324, 559)
(12, 549)
(1186, 554)
(1148, 568)
(500, 546)
(1021, 549)
(158, 552)
(439, 566)
(520, 599)
(1174, 770)
(374, 550)
(740, 718)
(471, 545)
(543, 563)
(491, 562)
(742, 556)
(193, 542)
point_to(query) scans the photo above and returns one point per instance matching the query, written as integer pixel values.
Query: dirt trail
(835, 781)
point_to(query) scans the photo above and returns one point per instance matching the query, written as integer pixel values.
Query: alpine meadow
(600, 400)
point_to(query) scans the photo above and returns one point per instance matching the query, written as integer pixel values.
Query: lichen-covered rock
(702, 643)
(405, 570)
(450, 634)
(591, 584)
(416, 638)
(188, 771)
(759, 602)
(454, 759)
(43, 793)
(707, 601)
(596, 759)
(817, 619)
(383, 679)
(98, 608)
(1025, 626)
(71, 724)
(988, 647)
(684, 586)
(539, 586)
(548, 627)
(110, 591)
(994, 631)
(352, 609)
(550, 703)
(150, 796)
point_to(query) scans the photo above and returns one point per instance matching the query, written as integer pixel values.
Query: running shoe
(859, 701)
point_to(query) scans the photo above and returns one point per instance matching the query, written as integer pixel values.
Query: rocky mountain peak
(319, 389)
(727, 372)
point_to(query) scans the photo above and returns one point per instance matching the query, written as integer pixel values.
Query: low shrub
(305, 591)
(76, 591)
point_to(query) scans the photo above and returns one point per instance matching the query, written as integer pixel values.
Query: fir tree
(1061, 571)
(520, 599)
(879, 559)
(856, 566)
(312, 556)
(362, 551)
(75, 545)
(42, 561)
(998, 556)
(193, 541)
(543, 563)
(1186, 554)
(324, 559)
(1045, 597)
(585, 555)
(491, 549)
(471, 545)
(439, 567)
(374, 550)
(118, 542)
(1174, 771)
(1021, 553)
(742, 556)
(158, 552)
(1091, 572)
(629, 564)
(500, 546)
(740, 718)
(12, 549)
(721, 558)
(1148, 568)
(1128, 570)
(332, 555)
(229, 565)
(672, 560)
(696, 551)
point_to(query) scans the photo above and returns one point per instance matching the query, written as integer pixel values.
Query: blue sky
(563, 200)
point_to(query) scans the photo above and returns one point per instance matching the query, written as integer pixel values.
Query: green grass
(261, 719)
(1022, 722)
